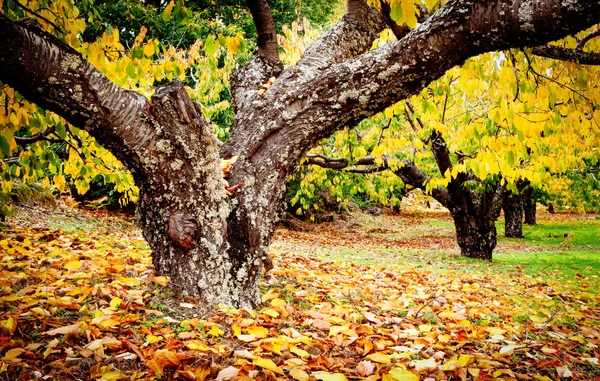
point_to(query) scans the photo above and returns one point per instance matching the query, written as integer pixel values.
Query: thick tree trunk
(513, 215)
(476, 236)
(529, 206)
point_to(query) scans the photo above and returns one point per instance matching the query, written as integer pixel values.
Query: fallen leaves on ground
(88, 306)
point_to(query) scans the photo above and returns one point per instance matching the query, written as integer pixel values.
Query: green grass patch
(576, 235)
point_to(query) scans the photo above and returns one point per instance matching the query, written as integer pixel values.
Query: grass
(567, 251)
(578, 235)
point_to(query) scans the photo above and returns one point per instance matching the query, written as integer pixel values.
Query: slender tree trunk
(513, 215)
(529, 206)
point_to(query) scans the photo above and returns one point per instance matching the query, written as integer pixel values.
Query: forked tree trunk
(513, 215)
(213, 246)
(529, 206)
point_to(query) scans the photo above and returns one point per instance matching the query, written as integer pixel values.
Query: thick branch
(353, 35)
(140, 133)
(265, 29)
(349, 92)
(564, 54)
(56, 77)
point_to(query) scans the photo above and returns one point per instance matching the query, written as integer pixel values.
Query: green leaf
(130, 70)
(4, 146)
(209, 46)
(396, 11)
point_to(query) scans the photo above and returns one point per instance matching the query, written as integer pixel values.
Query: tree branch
(42, 135)
(408, 172)
(265, 29)
(23, 7)
(564, 54)
(352, 36)
(56, 77)
(584, 40)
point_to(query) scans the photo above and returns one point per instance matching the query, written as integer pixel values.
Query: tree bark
(513, 215)
(529, 205)
(476, 235)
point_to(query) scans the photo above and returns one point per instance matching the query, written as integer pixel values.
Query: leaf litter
(87, 306)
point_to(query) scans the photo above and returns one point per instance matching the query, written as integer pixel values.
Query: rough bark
(476, 236)
(513, 215)
(214, 247)
(529, 205)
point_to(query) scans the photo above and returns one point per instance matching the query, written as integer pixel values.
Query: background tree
(213, 246)
(475, 137)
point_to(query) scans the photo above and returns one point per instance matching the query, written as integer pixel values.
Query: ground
(368, 297)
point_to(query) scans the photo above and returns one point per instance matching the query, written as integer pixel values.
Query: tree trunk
(476, 236)
(529, 206)
(513, 215)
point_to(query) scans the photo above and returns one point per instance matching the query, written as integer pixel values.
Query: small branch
(445, 105)
(12, 160)
(23, 7)
(513, 60)
(367, 170)
(578, 92)
(564, 54)
(382, 130)
(584, 40)
(42, 135)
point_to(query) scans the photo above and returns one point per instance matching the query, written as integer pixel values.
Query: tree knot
(182, 230)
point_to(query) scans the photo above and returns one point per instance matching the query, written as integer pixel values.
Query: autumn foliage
(87, 306)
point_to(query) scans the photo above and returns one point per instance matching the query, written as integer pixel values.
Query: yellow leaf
(269, 311)
(379, 357)
(9, 325)
(149, 49)
(299, 374)
(115, 303)
(397, 374)
(13, 353)
(151, 339)
(337, 329)
(267, 364)
(278, 302)
(298, 351)
(112, 376)
(215, 331)
(272, 294)
(197, 346)
(259, 331)
(326, 376)
(578, 338)
(40, 311)
(73, 265)
(464, 360)
(132, 282)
